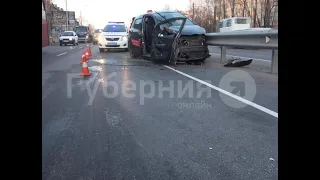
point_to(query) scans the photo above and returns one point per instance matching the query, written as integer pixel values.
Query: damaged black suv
(167, 37)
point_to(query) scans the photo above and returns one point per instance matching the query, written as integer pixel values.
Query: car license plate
(112, 43)
(65, 41)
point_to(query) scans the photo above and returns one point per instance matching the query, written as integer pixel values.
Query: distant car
(68, 37)
(96, 35)
(167, 36)
(114, 36)
(83, 32)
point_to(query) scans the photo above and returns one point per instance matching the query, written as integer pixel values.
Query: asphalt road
(90, 131)
(261, 54)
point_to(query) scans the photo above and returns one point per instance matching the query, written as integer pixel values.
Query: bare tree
(232, 4)
(255, 13)
(267, 13)
(208, 13)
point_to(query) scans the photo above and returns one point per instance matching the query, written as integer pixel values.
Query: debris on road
(238, 63)
(210, 148)
(271, 159)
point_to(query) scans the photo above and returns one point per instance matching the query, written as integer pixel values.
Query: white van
(234, 24)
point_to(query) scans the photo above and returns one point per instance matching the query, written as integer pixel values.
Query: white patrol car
(114, 36)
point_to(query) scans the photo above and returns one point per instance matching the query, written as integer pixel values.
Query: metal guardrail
(246, 39)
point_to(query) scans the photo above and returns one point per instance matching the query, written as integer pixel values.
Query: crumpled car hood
(190, 30)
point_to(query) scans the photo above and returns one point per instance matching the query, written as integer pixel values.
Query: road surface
(90, 131)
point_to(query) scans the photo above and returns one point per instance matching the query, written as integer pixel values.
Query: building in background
(45, 31)
(58, 21)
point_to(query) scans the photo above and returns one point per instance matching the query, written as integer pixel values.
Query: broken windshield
(169, 15)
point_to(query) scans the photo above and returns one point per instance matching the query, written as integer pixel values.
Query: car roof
(112, 22)
(68, 31)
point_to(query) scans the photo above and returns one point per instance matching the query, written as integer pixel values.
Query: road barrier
(246, 39)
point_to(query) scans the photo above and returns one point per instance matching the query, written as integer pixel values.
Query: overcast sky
(99, 12)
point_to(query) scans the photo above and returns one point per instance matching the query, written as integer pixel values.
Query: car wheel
(101, 49)
(126, 50)
(132, 53)
(74, 44)
(60, 44)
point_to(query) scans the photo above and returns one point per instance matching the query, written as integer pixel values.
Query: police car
(167, 36)
(114, 36)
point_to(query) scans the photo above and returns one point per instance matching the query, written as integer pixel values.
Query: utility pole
(80, 18)
(67, 15)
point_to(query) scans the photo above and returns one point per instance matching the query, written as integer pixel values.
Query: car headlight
(124, 38)
(70, 39)
(101, 38)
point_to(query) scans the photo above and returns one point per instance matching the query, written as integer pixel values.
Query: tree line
(207, 13)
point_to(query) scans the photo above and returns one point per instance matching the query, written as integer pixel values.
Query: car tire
(126, 50)
(60, 44)
(101, 49)
(74, 44)
(132, 52)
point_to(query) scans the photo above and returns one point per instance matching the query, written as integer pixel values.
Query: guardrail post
(274, 63)
(223, 54)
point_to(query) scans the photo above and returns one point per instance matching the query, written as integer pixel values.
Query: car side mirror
(75, 35)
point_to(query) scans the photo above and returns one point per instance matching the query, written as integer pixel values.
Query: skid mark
(45, 77)
(114, 120)
(46, 91)
(61, 123)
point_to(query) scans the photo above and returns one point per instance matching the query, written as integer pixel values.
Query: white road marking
(62, 54)
(255, 59)
(261, 108)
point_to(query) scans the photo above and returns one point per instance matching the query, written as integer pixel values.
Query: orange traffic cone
(85, 70)
(82, 56)
(87, 54)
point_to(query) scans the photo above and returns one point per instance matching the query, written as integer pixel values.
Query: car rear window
(114, 28)
(241, 21)
(81, 29)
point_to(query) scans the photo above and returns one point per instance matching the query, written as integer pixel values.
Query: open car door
(164, 39)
